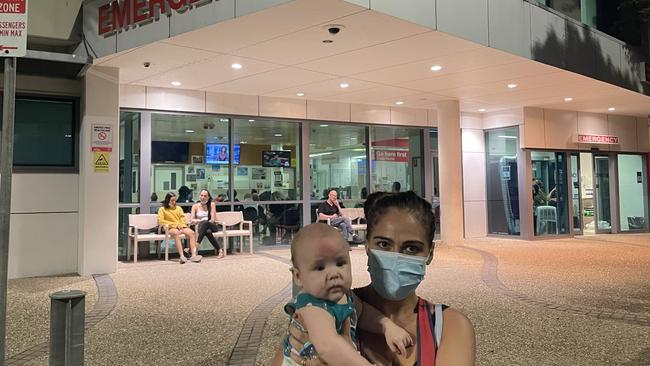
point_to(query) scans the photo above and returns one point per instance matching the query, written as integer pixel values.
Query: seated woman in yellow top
(172, 216)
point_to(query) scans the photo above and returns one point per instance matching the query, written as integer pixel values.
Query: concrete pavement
(583, 301)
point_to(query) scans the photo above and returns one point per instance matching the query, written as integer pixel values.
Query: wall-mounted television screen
(276, 158)
(169, 151)
(219, 153)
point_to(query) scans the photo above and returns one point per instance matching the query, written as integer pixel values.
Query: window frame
(76, 128)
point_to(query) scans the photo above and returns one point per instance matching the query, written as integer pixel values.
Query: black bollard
(67, 318)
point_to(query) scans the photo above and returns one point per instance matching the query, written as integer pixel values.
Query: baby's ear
(295, 272)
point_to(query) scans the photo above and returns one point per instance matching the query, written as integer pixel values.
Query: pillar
(99, 175)
(451, 176)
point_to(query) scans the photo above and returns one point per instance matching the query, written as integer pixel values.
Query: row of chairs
(145, 228)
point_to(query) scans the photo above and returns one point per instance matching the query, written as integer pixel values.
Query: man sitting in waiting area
(331, 209)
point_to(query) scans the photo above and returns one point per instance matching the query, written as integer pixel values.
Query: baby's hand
(397, 339)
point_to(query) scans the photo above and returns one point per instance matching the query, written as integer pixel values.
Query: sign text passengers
(118, 15)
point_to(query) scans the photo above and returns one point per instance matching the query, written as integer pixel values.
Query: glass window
(435, 200)
(397, 159)
(633, 194)
(268, 170)
(550, 193)
(190, 153)
(45, 132)
(501, 181)
(337, 156)
(130, 157)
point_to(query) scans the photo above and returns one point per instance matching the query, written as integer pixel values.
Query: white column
(98, 191)
(451, 177)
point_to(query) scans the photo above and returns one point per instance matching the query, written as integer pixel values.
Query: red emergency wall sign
(598, 139)
(13, 28)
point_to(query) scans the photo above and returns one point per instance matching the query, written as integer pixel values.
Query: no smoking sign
(102, 138)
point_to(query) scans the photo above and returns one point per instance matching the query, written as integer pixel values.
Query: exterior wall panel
(205, 15)
(560, 128)
(510, 26)
(548, 32)
(44, 244)
(283, 107)
(534, 134)
(580, 49)
(328, 111)
(247, 105)
(414, 11)
(593, 124)
(175, 99)
(133, 96)
(467, 19)
(625, 128)
(369, 114)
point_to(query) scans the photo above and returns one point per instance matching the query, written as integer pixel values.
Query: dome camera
(334, 29)
(146, 64)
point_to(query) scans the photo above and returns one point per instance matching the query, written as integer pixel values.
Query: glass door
(602, 207)
(575, 194)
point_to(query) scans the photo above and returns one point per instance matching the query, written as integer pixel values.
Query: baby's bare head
(309, 237)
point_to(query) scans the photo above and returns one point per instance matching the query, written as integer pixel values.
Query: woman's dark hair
(168, 196)
(379, 203)
(209, 204)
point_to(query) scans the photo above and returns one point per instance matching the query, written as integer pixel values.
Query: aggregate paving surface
(583, 301)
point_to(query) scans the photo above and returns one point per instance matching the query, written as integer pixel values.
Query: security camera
(334, 29)
(146, 64)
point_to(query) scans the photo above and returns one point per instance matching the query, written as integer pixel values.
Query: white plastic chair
(546, 215)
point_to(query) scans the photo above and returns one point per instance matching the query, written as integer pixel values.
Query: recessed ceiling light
(327, 41)
(189, 131)
(482, 110)
(324, 125)
(251, 120)
(344, 85)
(236, 66)
(223, 119)
(611, 109)
(512, 86)
(176, 83)
(353, 138)
(243, 142)
(399, 102)
(300, 94)
(436, 68)
(568, 99)
(278, 135)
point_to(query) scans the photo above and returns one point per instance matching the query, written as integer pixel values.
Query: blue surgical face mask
(393, 275)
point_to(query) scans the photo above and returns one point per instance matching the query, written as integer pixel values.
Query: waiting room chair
(546, 216)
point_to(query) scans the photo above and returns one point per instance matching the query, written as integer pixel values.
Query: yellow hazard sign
(101, 161)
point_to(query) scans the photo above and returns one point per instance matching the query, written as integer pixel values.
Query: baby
(322, 270)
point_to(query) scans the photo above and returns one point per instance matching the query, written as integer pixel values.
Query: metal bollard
(67, 318)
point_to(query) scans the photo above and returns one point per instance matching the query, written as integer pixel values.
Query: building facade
(513, 117)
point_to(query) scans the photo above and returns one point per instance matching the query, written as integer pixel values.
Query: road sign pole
(6, 165)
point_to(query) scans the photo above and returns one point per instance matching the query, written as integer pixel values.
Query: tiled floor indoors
(583, 301)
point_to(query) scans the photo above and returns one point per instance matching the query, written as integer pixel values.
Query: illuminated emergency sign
(118, 15)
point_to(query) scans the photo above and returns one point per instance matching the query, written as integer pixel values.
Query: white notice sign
(13, 28)
(101, 138)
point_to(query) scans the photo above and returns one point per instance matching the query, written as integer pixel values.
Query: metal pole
(6, 165)
(67, 320)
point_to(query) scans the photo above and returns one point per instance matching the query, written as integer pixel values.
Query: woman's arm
(373, 321)
(458, 344)
(179, 215)
(331, 347)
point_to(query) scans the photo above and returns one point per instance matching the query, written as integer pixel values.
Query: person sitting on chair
(331, 209)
